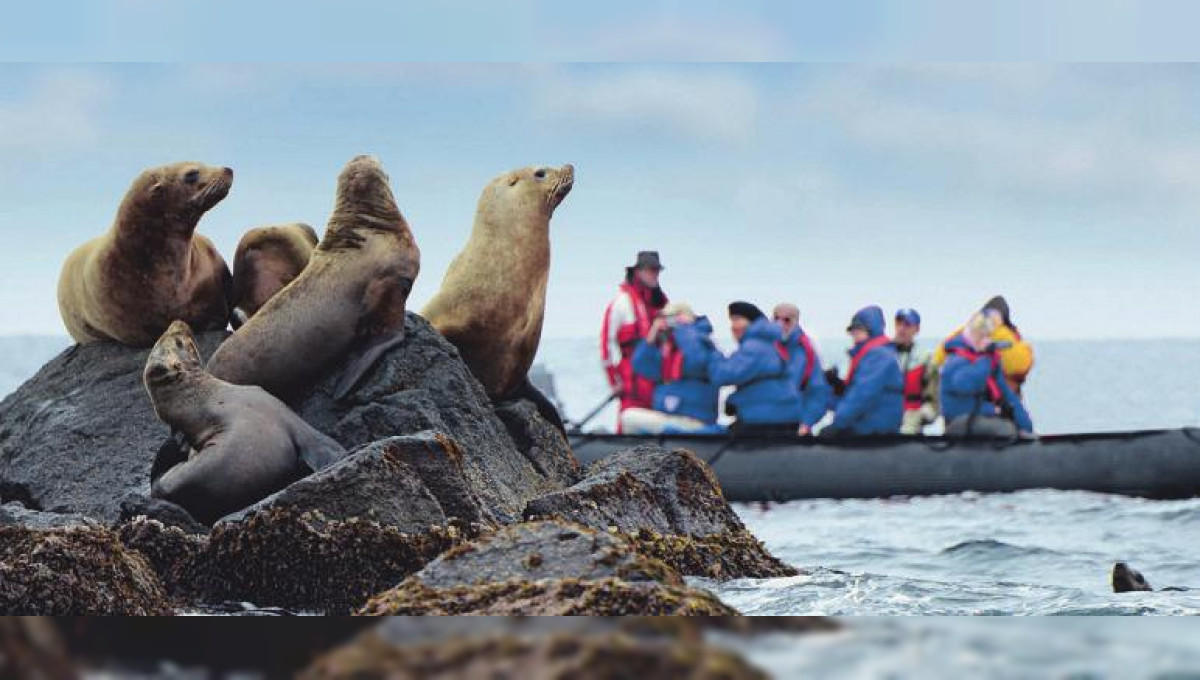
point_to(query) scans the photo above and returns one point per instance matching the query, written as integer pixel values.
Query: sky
(1074, 189)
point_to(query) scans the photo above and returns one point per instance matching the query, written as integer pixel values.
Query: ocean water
(1035, 552)
(1029, 553)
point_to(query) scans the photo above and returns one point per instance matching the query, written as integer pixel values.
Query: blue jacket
(765, 392)
(964, 387)
(692, 395)
(874, 399)
(815, 398)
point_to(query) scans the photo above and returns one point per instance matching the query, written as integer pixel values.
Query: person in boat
(627, 320)
(1016, 358)
(804, 365)
(920, 374)
(674, 355)
(766, 400)
(976, 399)
(873, 402)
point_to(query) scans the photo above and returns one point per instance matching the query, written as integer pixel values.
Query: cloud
(707, 104)
(249, 79)
(1100, 133)
(58, 109)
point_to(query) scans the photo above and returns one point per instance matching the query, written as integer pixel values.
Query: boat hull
(1160, 464)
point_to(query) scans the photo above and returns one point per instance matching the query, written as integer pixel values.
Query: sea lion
(493, 297)
(347, 303)
(245, 443)
(150, 268)
(1126, 579)
(267, 259)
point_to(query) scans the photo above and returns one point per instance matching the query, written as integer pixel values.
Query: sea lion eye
(191, 176)
(540, 174)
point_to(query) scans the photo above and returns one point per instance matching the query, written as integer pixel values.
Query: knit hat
(745, 310)
(999, 304)
(677, 308)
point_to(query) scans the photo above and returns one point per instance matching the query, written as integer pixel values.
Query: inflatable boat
(1159, 464)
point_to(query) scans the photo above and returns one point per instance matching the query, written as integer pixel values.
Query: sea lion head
(173, 355)
(539, 189)
(182, 192)
(363, 191)
(1125, 579)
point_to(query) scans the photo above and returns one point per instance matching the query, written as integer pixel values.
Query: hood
(703, 325)
(871, 317)
(763, 329)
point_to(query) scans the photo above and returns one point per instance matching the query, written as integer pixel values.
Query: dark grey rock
(81, 434)
(166, 512)
(423, 385)
(669, 506)
(542, 444)
(15, 514)
(645, 488)
(408, 483)
(541, 550)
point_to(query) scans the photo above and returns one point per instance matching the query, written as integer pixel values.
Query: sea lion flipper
(238, 318)
(320, 452)
(359, 366)
(173, 452)
(545, 407)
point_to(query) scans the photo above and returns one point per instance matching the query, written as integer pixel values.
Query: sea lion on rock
(347, 303)
(267, 259)
(150, 268)
(246, 444)
(493, 298)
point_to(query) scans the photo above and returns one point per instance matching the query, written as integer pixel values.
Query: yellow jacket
(1016, 360)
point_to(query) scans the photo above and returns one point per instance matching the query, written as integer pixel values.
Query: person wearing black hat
(627, 321)
(766, 399)
(920, 375)
(1016, 354)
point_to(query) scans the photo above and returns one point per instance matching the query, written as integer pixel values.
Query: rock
(304, 561)
(541, 442)
(670, 506)
(31, 648)
(562, 597)
(542, 550)
(409, 483)
(165, 512)
(171, 551)
(75, 571)
(548, 657)
(81, 434)
(212, 647)
(545, 568)
(423, 385)
(17, 515)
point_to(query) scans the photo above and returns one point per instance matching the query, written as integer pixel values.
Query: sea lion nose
(228, 172)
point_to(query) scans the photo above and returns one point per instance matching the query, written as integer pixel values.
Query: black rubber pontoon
(1158, 464)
